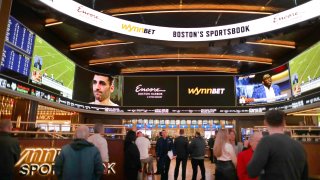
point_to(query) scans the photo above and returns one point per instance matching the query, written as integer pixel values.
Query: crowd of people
(273, 156)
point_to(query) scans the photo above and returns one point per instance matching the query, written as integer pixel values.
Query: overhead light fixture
(52, 22)
(306, 114)
(276, 43)
(100, 43)
(176, 8)
(192, 11)
(179, 69)
(207, 57)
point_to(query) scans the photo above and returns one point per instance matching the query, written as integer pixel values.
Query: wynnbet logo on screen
(196, 91)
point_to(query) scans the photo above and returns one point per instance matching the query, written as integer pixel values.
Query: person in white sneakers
(100, 142)
(144, 145)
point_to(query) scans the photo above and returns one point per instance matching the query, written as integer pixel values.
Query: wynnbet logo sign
(196, 91)
(132, 28)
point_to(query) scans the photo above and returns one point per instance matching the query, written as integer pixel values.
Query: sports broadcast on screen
(51, 68)
(305, 70)
(263, 87)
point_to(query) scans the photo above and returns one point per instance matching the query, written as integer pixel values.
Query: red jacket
(243, 160)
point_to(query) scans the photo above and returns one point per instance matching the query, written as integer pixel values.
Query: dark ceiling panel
(187, 20)
(103, 4)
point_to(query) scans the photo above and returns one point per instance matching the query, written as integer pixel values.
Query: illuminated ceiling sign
(280, 20)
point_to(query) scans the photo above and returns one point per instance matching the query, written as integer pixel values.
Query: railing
(63, 134)
(56, 135)
(301, 133)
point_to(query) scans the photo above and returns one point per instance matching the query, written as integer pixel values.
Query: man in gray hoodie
(197, 152)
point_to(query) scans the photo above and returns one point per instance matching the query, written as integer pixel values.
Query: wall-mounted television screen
(98, 89)
(51, 68)
(263, 87)
(150, 91)
(305, 70)
(17, 51)
(13, 61)
(206, 91)
(19, 36)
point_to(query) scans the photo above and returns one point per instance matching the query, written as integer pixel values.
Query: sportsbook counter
(37, 158)
(38, 155)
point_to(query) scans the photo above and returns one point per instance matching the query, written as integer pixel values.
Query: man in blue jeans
(197, 152)
(165, 144)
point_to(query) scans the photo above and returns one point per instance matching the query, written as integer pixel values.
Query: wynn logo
(39, 160)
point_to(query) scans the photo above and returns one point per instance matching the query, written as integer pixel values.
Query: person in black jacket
(158, 164)
(277, 155)
(165, 145)
(181, 148)
(197, 152)
(9, 151)
(132, 162)
(211, 144)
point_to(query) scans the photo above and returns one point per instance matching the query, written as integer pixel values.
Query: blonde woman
(227, 160)
(237, 146)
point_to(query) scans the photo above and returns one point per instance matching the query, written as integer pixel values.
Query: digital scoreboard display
(14, 61)
(19, 36)
(17, 51)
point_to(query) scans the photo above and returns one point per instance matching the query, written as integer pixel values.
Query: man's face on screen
(267, 81)
(102, 87)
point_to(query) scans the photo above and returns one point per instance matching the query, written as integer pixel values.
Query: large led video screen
(14, 63)
(206, 91)
(17, 51)
(98, 89)
(52, 69)
(19, 36)
(305, 70)
(150, 91)
(263, 87)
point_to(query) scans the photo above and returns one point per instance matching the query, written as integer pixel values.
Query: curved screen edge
(280, 20)
(25, 91)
